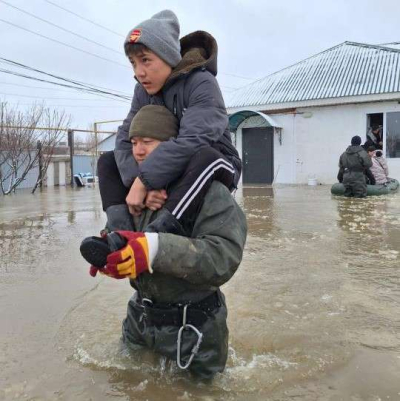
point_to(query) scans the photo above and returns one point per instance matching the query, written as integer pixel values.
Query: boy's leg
(112, 190)
(113, 194)
(185, 196)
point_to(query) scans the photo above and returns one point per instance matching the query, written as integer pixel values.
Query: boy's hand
(136, 196)
(156, 199)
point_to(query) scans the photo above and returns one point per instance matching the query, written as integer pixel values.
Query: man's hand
(128, 262)
(156, 199)
(136, 197)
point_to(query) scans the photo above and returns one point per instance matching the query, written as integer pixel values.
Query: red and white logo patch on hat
(135, 35)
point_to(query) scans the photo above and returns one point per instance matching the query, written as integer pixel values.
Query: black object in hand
(96, 249)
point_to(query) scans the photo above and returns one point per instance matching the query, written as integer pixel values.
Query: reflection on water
(313, 309)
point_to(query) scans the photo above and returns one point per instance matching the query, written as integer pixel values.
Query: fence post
(71, 154)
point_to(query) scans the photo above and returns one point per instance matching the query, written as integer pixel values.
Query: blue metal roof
(349, 69)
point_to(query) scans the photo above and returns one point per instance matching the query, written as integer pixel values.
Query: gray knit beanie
(155, 122)
(160, 34)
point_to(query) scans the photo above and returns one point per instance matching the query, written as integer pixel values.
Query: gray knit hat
(155, 122)
(160, 34)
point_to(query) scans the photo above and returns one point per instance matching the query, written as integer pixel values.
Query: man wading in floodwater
(178, 309)
(178, 300)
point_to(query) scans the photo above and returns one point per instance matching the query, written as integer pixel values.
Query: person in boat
(379, 167)
(178, 309)
(354, 166)
(374, 138)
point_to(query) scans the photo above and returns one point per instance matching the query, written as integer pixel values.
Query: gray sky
(255, 38)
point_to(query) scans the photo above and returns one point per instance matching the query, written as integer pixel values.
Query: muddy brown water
(314, 309)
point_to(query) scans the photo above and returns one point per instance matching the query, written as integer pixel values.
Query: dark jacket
(355, 160)
(193, 95)
(373, 140)
(189, 269)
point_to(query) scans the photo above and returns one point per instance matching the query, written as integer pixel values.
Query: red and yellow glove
(130, 261)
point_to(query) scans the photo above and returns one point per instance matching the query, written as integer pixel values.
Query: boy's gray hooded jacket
(193, 95)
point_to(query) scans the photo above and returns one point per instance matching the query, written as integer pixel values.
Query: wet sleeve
(127, 165)
(366, 160)
(340, 175)
(202, 124)
(214, 254)
(341, 170)
(341, 162)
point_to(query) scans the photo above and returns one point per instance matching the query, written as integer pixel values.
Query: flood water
(314, 309)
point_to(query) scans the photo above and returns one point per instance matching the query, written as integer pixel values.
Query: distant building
(294, 124)
(107, 144)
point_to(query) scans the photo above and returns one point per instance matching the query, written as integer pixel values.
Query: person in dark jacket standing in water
(176, 257)
(178, 309)
(354, 166)
(180, 75)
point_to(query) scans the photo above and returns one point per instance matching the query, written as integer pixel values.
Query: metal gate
(258, 155)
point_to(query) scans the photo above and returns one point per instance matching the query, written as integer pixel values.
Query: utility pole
(96, 142)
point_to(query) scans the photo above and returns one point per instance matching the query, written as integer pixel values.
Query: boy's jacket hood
(199, 50)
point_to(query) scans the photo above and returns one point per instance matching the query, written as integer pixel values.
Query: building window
(373, 136)
(393, 135)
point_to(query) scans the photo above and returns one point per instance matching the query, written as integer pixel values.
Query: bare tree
(57, 122)
(18, 154)
(19, 140)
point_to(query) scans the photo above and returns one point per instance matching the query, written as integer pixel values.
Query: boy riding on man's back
(177, 257)
(181, 76)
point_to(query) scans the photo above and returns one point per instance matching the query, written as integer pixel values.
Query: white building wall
(314, 138)
(323, 133)
(284, 154)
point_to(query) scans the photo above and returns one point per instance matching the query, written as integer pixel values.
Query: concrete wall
(49, 182)
(314, 138)
(62, 174)
(57, 174)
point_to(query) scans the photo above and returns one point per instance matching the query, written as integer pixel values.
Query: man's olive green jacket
(189, 269)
